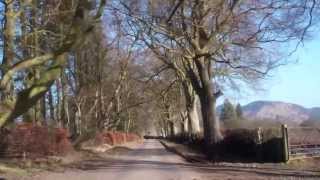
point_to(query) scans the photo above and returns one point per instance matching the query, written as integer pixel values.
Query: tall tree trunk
(193, 122)
(25, 51)
(43, 108)
(51, 106)
(129, 121)
(185, 122)
(211, 126)
(193, 118)
(8, 44)
(63, 98)
(183, 119)
(171, 129)
(59, 106)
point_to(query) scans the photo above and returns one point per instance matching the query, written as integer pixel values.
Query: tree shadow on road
(135, 165)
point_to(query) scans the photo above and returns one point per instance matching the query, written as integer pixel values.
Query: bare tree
(79, 23)
(219, 40)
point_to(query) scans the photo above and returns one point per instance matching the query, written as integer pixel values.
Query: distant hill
(279, 111)
(314, 113)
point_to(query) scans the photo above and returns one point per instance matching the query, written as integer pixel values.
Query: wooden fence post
(285, 144)
(259, 142)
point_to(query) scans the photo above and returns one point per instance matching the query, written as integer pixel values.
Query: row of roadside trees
(197, 50)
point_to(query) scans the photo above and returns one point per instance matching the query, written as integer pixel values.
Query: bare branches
(174, 10)
(222, 38)
(49, 60)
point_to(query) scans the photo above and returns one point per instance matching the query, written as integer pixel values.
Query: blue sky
(297, 83)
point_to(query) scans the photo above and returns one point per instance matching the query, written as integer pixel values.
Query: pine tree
(228, 113)
(239, 111)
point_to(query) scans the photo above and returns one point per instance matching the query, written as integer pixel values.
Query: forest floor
(150, 160)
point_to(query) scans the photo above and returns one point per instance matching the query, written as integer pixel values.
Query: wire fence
(304, 142)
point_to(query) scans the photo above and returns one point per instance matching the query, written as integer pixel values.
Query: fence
(272, 144)
(303, 142)
(256, 145)
(282, 144)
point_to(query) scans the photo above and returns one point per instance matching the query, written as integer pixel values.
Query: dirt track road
(150, 161)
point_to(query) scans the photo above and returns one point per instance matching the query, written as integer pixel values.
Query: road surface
(151, 161)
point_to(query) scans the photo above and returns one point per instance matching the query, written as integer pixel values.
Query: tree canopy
(91, 65)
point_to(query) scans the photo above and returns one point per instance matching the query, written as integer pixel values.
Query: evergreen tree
(228, 113)
(239, 111)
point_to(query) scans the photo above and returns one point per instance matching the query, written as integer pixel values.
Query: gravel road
(151, 161)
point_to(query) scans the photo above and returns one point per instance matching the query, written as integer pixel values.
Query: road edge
(182, 154)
